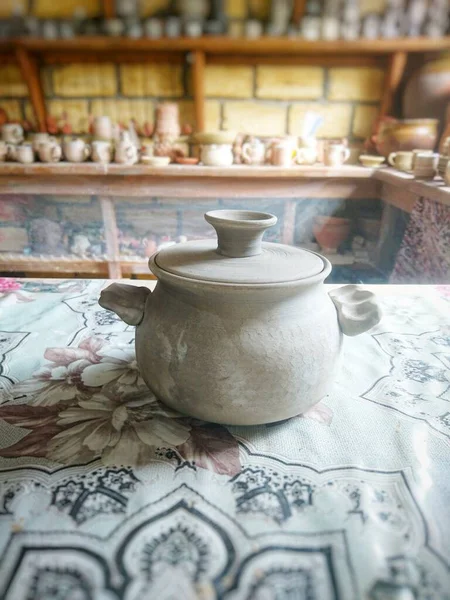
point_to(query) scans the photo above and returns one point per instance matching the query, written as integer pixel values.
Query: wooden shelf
(227, 45)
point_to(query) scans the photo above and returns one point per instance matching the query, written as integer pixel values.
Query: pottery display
(156, 161)
(25, 153)
(76, 150)
(442, 165)
(101, 151)
(147, 149)
(406, 135)
(239, 331)
(39, 138)
(331, 232)
(12, 133)
(217, 155)
(187, 160)
(371, 161)
(254, 152)
(403, 161)
(153, 28)
(167, 120)
(49, 152)
(336, 155)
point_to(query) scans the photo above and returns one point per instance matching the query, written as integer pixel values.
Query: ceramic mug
(25, 153)
(403, 161)
(11, 152)
(417, 151)
(425, 165)
(101, 151)
(254, 152)
(217, 155)
(103, 128)
(40, 138)
(3, 150)
(76, 150)
(12, 133)
(126, 153)
(336, 155)
(282, 155)
(147, 149)
(49, 152)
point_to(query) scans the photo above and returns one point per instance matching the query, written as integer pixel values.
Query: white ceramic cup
(25, 153)
(101, 151)
(126, 153)
(39, 138)
(419, 151)
(12, 133)
(76, 150)
(49, 152)
(103, 128)
(217, 155)
(425, 165)
(254, 152)
(336, 155)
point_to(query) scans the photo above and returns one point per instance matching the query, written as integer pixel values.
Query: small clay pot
(406, 135)
(330, 232)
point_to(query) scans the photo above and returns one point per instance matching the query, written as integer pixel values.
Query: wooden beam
(394, 74)
(71, 56)
(326, 60)
(198, 87)
(109, 9)
(299, 11)
(30, 74)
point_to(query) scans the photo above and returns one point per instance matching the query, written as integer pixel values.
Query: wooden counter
(191, 183)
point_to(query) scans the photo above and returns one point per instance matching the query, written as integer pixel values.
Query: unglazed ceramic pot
(406, 135)
(239, 331)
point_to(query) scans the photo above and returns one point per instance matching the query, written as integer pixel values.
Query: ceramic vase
(331, 232)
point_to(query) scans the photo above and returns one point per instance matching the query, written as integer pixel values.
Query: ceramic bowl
(371, 162)
(187, 160)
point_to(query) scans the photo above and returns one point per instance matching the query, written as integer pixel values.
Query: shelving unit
(113, 184)
(30, 53)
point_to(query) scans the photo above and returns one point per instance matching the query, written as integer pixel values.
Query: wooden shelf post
(30, 73)
(198, 86)
(394, 74)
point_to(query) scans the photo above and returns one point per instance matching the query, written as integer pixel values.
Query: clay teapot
(240, 331)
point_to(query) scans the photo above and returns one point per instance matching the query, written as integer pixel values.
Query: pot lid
(239, 255)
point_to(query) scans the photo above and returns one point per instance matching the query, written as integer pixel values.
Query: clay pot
(330, 232)
(406, 135)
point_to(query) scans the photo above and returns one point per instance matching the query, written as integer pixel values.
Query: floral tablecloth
(107, 494)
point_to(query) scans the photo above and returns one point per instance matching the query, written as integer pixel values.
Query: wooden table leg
(111, 237)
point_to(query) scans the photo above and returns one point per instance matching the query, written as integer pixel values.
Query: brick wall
(264, 100)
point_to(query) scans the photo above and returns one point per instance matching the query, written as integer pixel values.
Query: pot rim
(401, 122)
(178, 280)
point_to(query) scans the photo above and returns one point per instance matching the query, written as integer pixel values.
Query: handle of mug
(86, 151)
(299, 157)
(268, 154)
(55, 153)
(346, 154)
(391, 158)
(246, 151)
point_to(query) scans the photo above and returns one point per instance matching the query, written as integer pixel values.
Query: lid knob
(239, 232)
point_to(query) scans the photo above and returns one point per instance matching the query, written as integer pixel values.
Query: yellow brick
(259, 9)
(12, 109)
(46, 80)
(363, 120)
(235, 9)
(8, 7)
(255, 118)
(161, 80)
(336, 123)
(372, 6)
(150, 7)
(212, 114)
(289, 83)
(350, 83)
(85, 80)
(77, 112)
(11, 82)
(123, 110)
(228, 81)
(64, 9)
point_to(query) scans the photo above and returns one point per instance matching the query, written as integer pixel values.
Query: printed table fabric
(107, 494)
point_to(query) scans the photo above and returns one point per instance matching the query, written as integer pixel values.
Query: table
(106, 494)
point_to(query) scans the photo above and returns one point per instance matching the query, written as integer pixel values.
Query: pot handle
(357, 309)
(127, 301)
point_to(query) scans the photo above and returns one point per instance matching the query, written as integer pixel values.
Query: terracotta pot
(330, 232)
(406, 134)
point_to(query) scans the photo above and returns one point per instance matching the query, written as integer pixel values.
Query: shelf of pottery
(311, 20)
